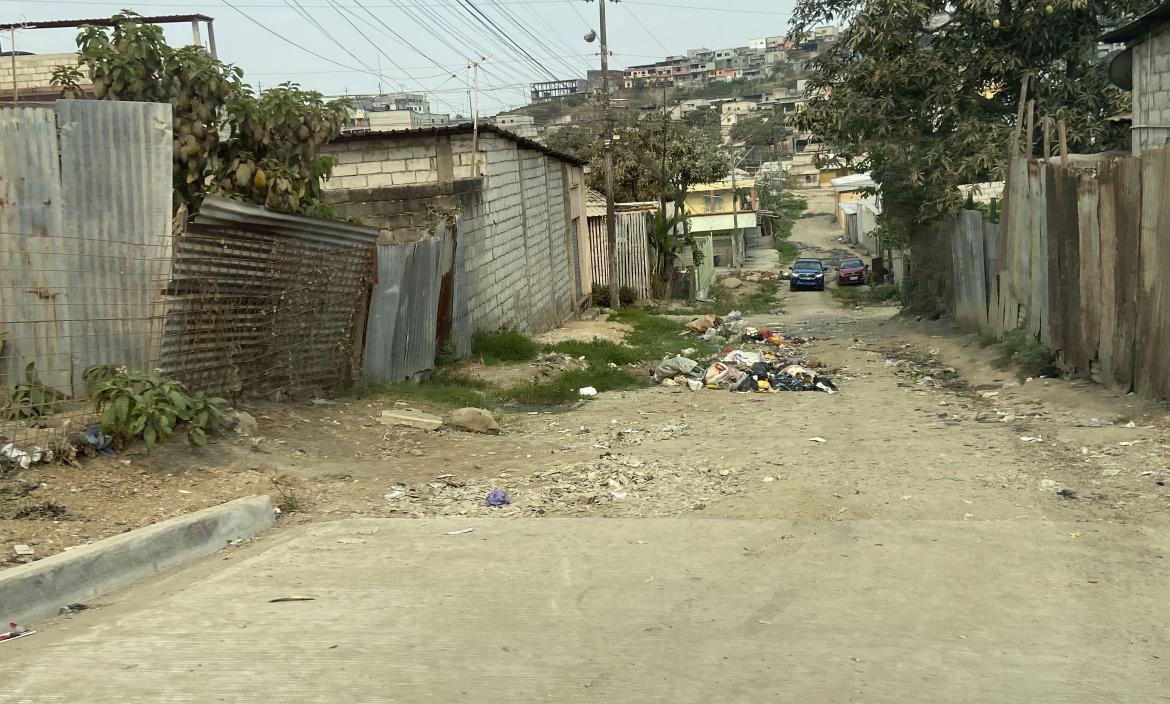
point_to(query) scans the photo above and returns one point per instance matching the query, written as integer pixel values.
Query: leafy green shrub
(601, 299)
(1021, 350)
(31, 399)
(502, 346)
(137, 404)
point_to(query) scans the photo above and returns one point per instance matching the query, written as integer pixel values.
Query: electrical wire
(453, 3)
(647, 29)
(484, 18)
(305, 14)
(390, 58)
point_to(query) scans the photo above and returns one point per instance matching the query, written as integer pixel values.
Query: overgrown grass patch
(1020, 350)
(598, 353)
(565, 387)
(881, 294)
(443, 391)
(788, 252)
(502, 346)
(653, 336)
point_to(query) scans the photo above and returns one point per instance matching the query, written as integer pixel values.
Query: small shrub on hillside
(601, 299)
(502, 346)
(1027, 355)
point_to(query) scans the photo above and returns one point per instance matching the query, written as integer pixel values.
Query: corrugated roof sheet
(1139, 26)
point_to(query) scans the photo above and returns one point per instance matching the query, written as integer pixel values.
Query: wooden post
(1031, 128)
(1047, 122)
(1062, 130)
(1020, 116)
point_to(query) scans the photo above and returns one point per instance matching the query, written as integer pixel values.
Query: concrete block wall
(1151, 92)
(33, 71)
(516, 234)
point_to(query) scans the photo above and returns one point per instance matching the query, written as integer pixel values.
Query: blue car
(807, 273)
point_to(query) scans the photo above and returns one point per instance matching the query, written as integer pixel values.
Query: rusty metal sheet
(266, 304)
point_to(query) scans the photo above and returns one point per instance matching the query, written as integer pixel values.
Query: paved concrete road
(653, 610)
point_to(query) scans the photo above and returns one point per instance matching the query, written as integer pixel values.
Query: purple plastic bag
(498, 497)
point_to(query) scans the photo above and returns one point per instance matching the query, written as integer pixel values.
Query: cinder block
(351, 182)
(379, 180)
(345, 170)
(369, 167)
(420, 164)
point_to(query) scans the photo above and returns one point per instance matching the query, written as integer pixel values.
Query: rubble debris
(25, 459)
(413, 419)
(243, 422)
(475, 420)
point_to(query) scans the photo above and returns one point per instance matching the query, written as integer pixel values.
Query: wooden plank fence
(633, 251)
(1079, 261)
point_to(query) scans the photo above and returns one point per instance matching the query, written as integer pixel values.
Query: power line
(391, 59)
(648, 32)
(292, 43)
(295, 6)
(453, 3)
(524, 28)
(471, 6)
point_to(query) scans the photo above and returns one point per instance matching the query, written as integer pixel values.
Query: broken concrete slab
(413, 419)
(475, 420)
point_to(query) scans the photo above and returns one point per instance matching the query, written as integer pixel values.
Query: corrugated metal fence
(633, 248)
(267, 304)
(1079, 261)
(85, 202)
(405, 307)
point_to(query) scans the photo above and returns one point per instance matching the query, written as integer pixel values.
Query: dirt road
(937, 531)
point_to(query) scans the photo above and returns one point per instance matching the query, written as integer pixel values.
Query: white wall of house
(33, 70)
(1151, 91)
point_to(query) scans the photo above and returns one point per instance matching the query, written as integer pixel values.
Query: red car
(851, 272)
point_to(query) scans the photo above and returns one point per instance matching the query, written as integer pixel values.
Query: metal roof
(105, 22)
(1138, 27)
(461, 128)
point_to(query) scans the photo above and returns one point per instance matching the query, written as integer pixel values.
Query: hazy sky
(437, 39)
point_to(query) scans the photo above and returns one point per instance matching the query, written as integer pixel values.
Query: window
(714, 202)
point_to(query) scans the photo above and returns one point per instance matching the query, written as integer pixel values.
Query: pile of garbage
(747, 359)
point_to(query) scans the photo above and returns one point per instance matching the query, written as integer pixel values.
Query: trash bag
(742, 358)
(670, 367)
(703, 323)
(787, 382)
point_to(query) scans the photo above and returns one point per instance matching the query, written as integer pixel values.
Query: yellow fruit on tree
(1049, 9)
(260, 180)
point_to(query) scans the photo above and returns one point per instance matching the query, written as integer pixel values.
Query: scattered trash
(98, 441)
(1029, 438)
(1049, 485)
(587, 391)
(475, 420)
(1110, 472)
(1129, 443)
(25, 459)
(1067, 494)
(23, 550)
(703, 323)
(461, 531)
(244, 423)
(396, 492)
(15, 631)
(282, 599)
(276, 512)
(1130, 424)
(72, 608)
(1075, 534)
(671, 367)
(817, 440)
(694, 384)
(498, 497)
(1090, 423)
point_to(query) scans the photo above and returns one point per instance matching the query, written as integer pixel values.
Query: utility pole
(734, 215)
(607, 147)
(475, 118)
(665, 130)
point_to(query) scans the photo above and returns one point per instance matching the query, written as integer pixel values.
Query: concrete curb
(41, 588)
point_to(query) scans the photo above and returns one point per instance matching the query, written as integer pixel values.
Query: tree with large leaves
(924, 94)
